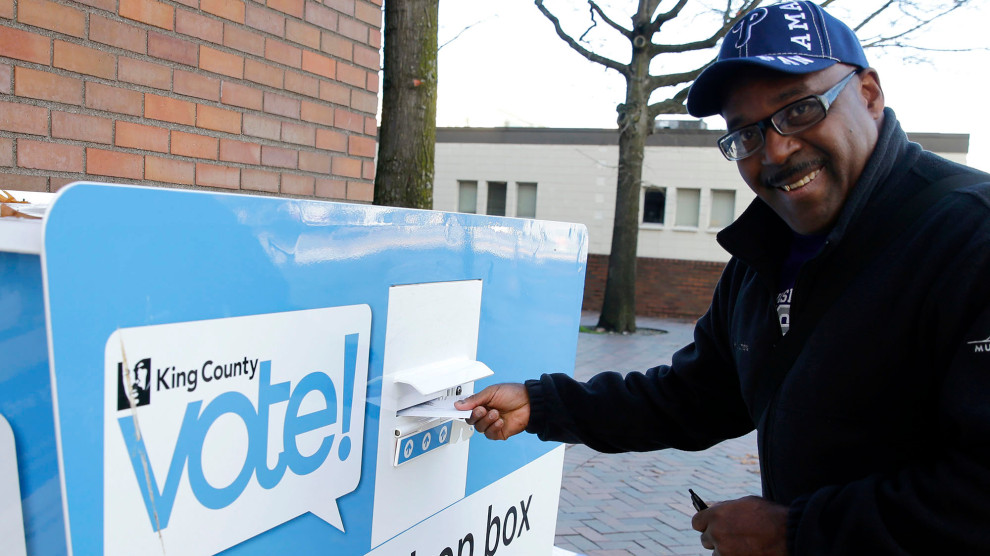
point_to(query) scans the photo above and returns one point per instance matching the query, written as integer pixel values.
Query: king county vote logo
(223, 429)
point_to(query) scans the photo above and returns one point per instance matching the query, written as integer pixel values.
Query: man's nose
(778, 148)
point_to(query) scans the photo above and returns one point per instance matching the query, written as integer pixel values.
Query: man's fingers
(481, 416)
(749, 525)
(498, 411)
(700, 521)
(486, 421)
(476, 399)
(476, 415)
(469, 402)
(706, 541)
(494, 432)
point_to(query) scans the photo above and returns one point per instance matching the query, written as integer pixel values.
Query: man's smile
(786, 182)
(802, 182)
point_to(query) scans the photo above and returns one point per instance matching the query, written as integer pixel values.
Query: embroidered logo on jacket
(981, 346)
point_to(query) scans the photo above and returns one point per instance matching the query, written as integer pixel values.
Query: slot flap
(435, 377)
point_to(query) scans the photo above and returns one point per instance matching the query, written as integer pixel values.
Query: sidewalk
(637, 503)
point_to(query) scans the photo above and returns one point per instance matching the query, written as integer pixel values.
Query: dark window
(496, 198)
(654, 203)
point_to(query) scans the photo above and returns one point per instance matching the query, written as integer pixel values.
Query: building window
(688, 208)
(496, 198)
(654, 205)
(723, 208)
(526, 200)
(467, 196)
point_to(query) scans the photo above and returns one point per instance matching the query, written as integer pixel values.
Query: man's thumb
(473, 401)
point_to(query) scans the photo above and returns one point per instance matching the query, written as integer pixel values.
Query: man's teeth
(802, 182)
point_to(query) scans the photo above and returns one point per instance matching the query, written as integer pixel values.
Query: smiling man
(847, 328)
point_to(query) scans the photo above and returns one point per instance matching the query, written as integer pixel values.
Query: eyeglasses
(793, 118)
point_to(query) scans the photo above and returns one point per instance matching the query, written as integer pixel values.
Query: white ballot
(438, 408)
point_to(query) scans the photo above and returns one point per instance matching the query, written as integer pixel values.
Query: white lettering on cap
(796, 21)
(803, 40)
(794, 60)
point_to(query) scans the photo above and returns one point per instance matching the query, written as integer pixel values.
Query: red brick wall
(276, 97)
(664, 287)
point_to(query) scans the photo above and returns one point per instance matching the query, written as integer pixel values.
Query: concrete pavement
(638, 503)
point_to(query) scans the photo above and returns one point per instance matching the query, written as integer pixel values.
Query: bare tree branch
(651, 7)
(882, 41)
(459, 33)
(665, 17)
(597, 58)
(658, 81)
(594, 23)
(596, 9)
(673, 105)
(870, 17)
(925, 49)
(711, 41)
(727, 13)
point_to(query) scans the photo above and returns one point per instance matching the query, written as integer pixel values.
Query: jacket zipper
(767, 431)
(771, 409)
(771, 406)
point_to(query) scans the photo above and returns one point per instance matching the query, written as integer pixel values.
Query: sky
(503, 65)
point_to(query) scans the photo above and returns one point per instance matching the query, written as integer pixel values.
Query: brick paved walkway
(637, 503)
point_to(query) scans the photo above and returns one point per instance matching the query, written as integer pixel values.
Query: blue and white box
(201, 373)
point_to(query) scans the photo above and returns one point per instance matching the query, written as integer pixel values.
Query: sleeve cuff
(537, 408)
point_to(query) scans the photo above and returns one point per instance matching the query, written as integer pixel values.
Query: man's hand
(747, 526)
(499, 411)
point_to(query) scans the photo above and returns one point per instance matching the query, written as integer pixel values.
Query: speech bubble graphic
(231, 427)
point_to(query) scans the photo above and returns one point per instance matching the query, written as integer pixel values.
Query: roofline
(935, 142)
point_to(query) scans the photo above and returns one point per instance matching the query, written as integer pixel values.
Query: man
(877, 438)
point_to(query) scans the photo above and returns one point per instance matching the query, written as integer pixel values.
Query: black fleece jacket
(879, 436)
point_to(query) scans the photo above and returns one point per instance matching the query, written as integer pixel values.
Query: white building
(689, 191)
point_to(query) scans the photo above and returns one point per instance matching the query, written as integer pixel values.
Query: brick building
(275, 97)
(689, 193)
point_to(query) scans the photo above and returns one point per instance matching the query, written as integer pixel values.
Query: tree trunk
(407, 143)
(619, 306)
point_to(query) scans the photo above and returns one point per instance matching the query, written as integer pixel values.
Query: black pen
(699, 504)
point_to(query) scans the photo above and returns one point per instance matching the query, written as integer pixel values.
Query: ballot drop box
(188, 373)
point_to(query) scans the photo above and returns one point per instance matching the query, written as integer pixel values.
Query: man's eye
(748, 135)
(801, 112)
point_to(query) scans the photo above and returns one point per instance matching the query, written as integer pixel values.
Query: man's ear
(872, 92)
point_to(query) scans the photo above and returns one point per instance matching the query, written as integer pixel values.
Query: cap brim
(708, 90)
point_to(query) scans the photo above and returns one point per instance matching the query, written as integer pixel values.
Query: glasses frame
(825, 100)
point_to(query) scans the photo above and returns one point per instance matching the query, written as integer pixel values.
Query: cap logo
(745, 26)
